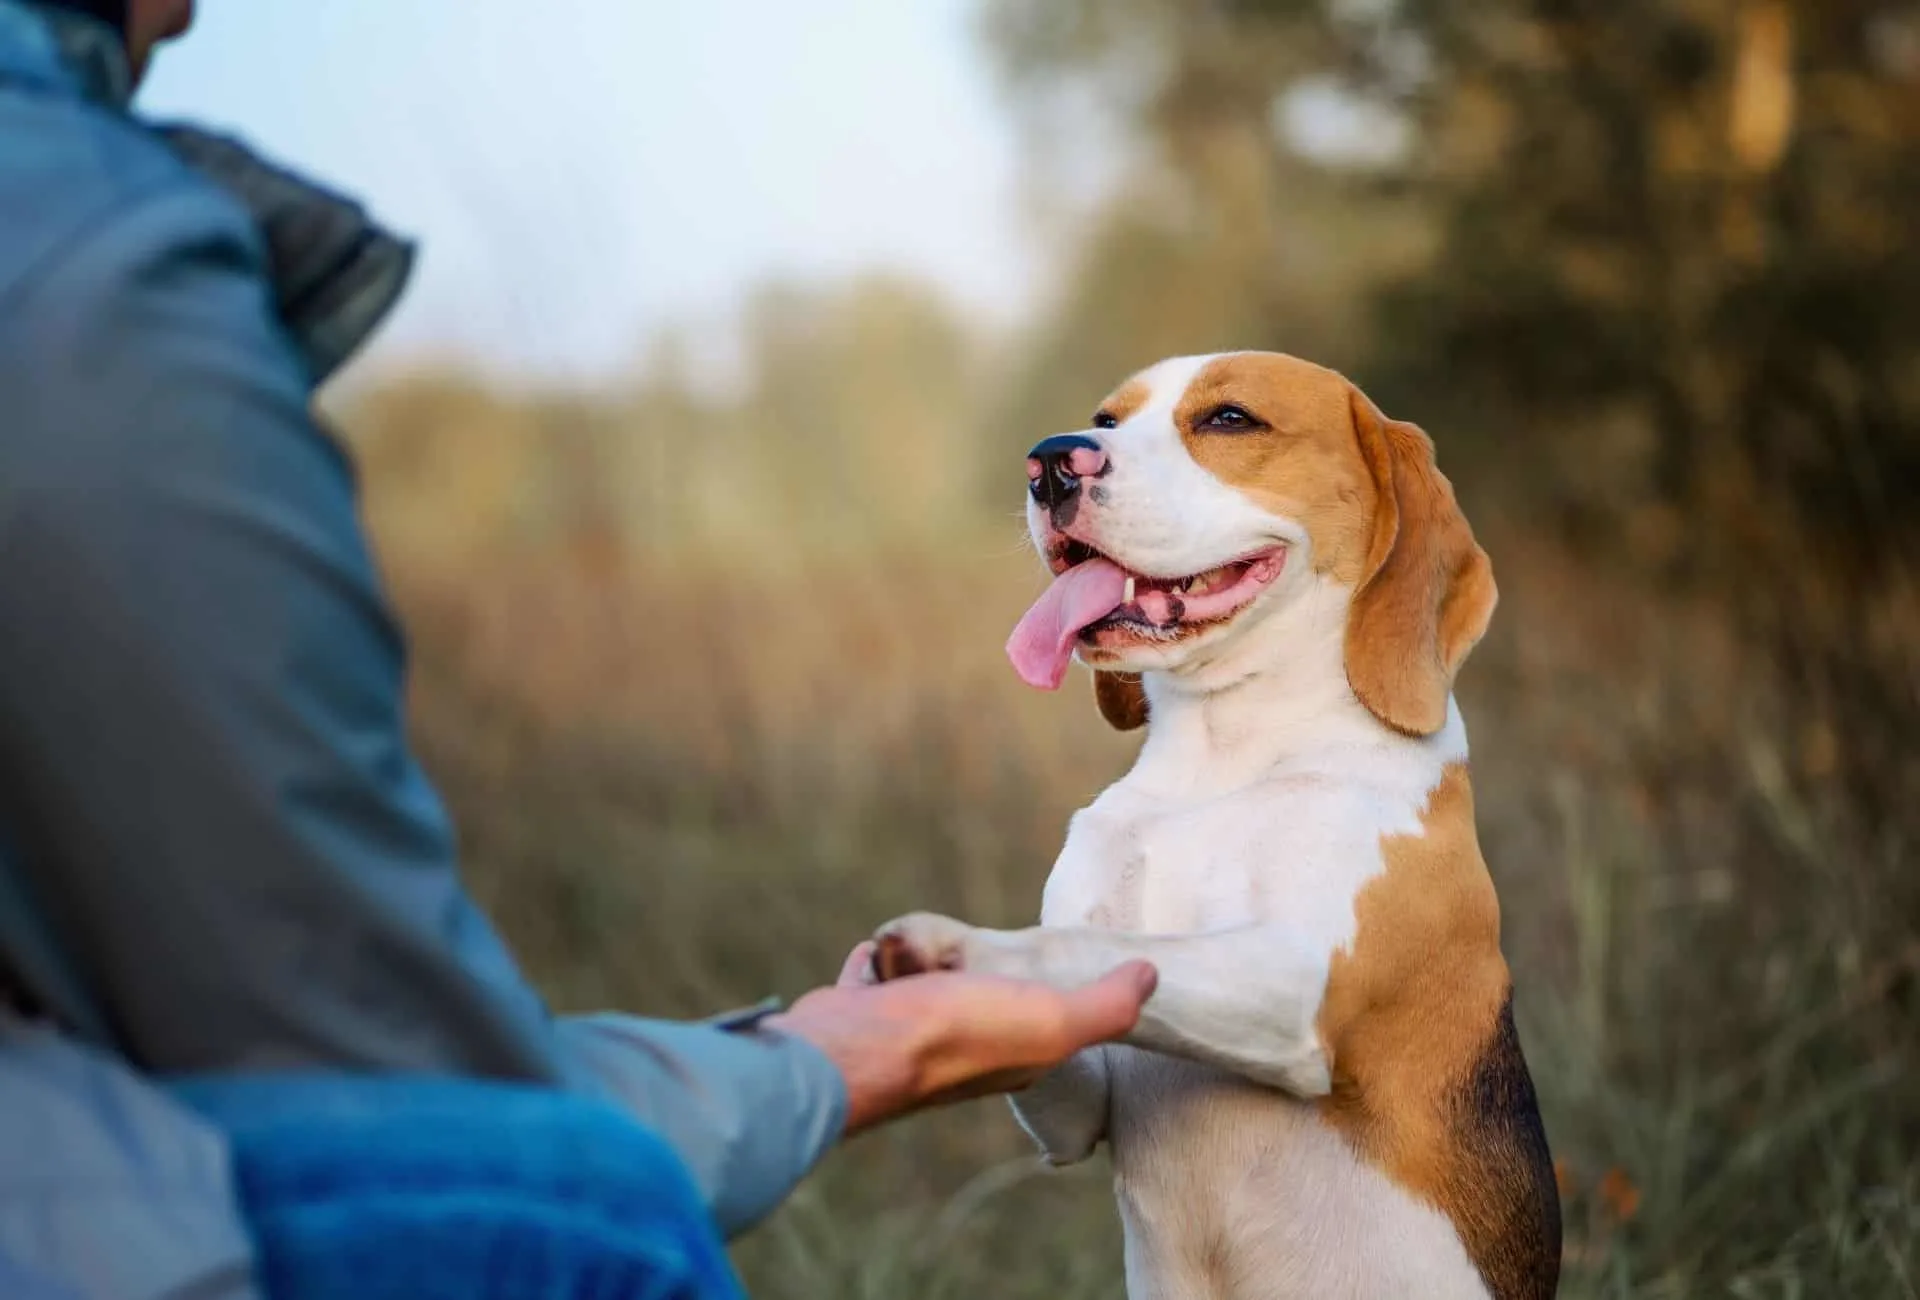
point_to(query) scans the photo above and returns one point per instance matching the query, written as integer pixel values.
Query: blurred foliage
(708, 663)
(834, 385)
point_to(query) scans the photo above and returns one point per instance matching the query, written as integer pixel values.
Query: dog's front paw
(918, 943)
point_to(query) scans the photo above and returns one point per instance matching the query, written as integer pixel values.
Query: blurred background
(695, 465)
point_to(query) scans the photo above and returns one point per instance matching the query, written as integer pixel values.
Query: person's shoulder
(123, 272)
(77, 183)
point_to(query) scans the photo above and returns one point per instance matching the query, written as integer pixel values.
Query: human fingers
(984, 1027)
(1107, 1008)
(857, 970)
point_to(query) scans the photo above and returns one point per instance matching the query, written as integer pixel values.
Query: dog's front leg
(1065, 1110)
(1246, 1000)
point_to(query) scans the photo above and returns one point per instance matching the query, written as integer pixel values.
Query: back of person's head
(107, 11)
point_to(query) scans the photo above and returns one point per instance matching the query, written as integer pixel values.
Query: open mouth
(1163, 607)
(1097, 602)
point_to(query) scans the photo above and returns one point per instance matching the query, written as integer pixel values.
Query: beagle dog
(1326, 1096)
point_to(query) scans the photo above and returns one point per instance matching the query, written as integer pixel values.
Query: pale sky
(581, 171)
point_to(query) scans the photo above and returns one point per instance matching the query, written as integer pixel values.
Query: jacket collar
(57, 48)
(336, 274)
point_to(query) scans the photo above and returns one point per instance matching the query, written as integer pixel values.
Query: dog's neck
(1271, 698)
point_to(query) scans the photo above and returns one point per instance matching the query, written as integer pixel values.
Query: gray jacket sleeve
(203, 768)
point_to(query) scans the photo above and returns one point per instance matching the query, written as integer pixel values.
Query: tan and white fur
(1325, 1097)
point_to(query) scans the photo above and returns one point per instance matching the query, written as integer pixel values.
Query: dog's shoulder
(1430, 1083)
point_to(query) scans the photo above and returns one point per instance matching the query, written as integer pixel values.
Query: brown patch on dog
(1124, 402)
(1299, 459)
(1122, 700)
(1427, 592)
(1429, 1083)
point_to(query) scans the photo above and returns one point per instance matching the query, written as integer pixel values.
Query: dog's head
(1210, 494)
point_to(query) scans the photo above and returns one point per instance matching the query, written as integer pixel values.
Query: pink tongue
(1042, 645)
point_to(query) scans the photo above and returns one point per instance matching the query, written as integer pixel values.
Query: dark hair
(111, 12)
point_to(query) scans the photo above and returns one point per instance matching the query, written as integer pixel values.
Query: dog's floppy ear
(1426, 593)
(1122, 700)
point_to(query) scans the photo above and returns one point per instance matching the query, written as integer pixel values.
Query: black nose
(1056, 465)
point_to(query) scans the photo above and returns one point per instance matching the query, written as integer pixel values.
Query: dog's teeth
(1128, 598)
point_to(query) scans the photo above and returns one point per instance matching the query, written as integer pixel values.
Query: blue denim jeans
(362, 1188)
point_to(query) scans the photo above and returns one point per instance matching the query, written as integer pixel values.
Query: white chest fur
(1294, 848)
(1227, 1189)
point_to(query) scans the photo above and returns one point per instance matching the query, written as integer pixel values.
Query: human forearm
(750, 1112)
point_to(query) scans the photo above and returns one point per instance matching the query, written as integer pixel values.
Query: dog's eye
(1231, 418)
(1105, 420)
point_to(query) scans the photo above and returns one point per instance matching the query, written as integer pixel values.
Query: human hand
(931, 1039)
